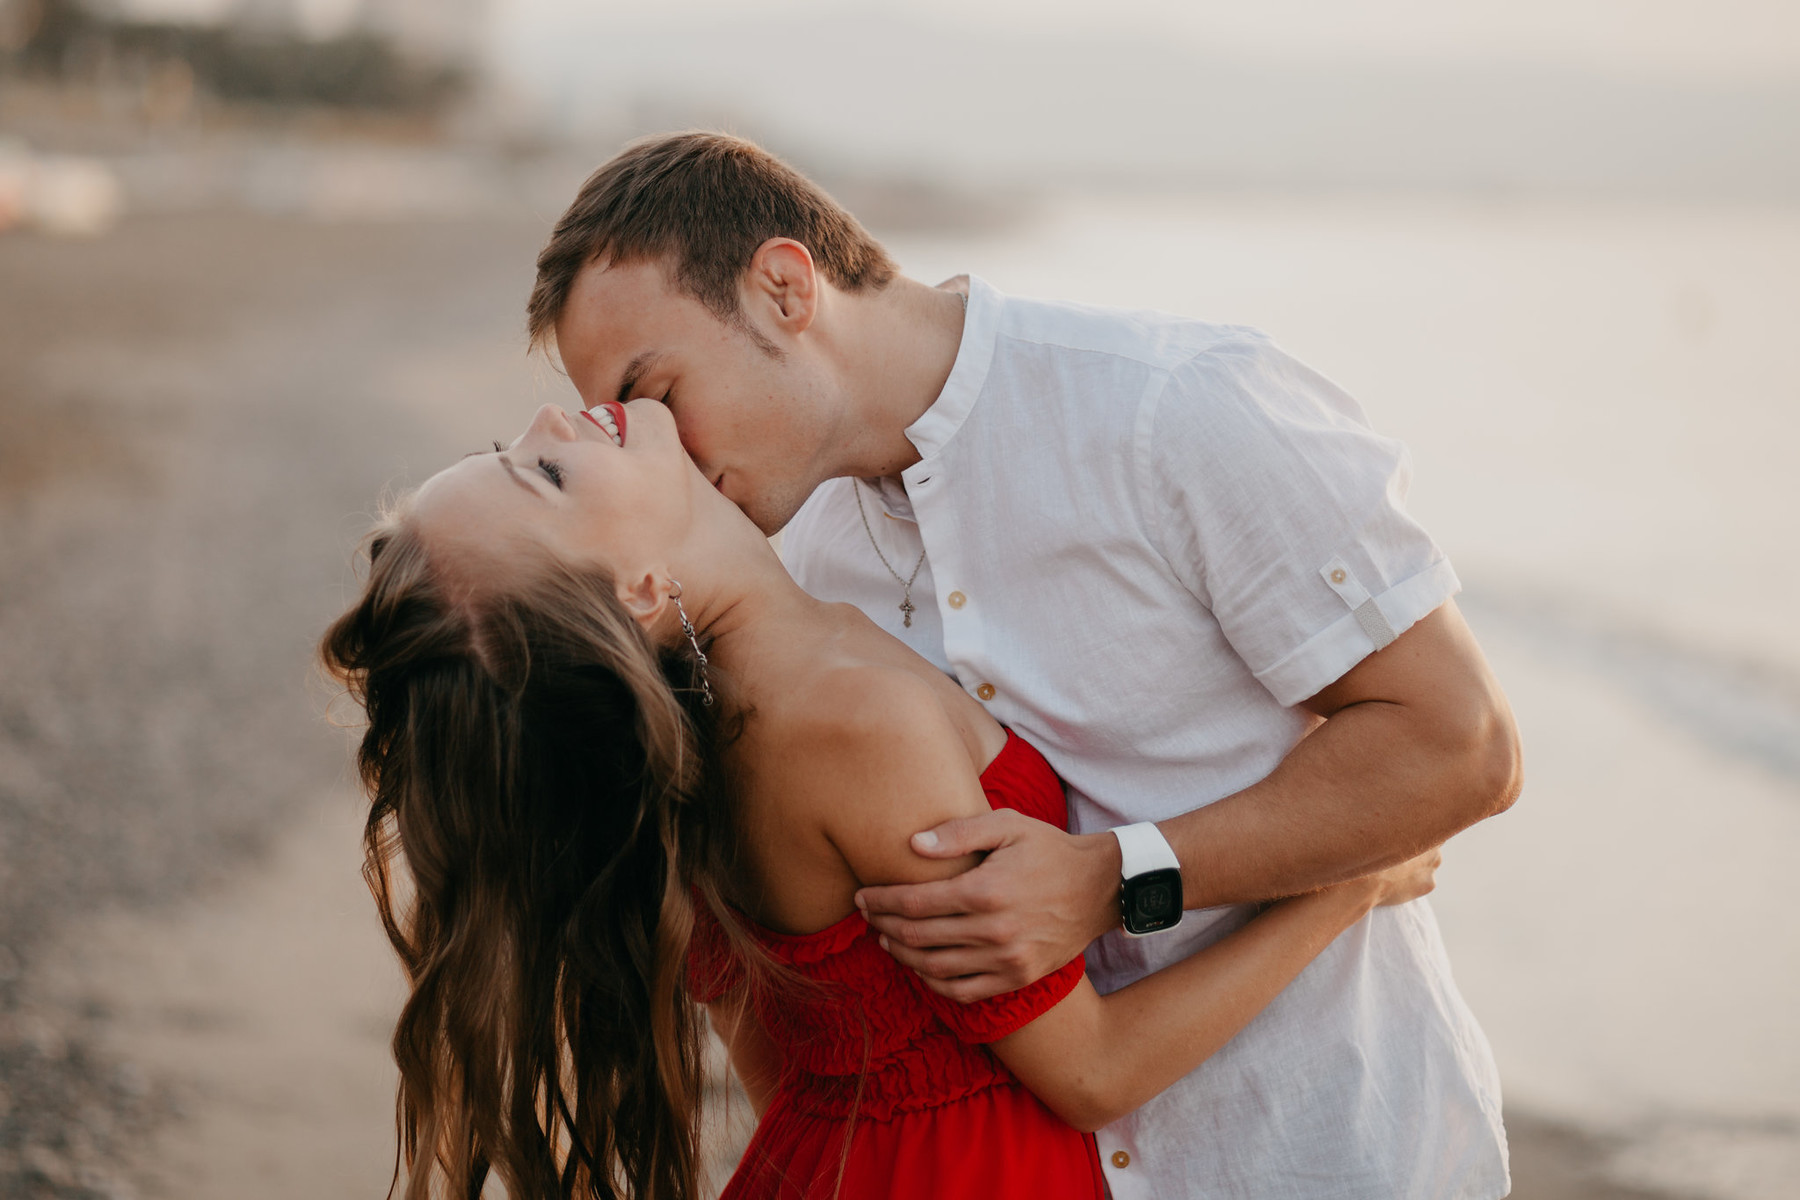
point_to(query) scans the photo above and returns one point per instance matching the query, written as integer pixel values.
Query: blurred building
(393, 54)
(448, 30)
(445, 31)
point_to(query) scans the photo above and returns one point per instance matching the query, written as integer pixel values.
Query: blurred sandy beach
(194, 483)
(203, 395)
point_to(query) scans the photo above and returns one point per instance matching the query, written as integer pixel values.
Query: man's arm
(1417, 743)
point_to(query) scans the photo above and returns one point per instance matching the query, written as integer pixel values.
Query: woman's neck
(758, 618)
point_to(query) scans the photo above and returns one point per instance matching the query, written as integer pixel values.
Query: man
(1170, 556)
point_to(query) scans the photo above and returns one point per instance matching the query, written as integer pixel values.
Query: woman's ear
(646, 598)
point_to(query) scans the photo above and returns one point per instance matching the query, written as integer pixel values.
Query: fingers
(967, 835)
(960, 972)
(956, 896)
(1426, 868)
(1024, 911)
(935, 932)
(951, 962)
(1413, 878)
(913, 901)
(970, 988)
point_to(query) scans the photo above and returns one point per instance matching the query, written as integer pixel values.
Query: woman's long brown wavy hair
(541, 771)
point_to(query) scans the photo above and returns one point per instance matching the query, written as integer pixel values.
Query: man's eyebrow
(514, 475)
(634, 371)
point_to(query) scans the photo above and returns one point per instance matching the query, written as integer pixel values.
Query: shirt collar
(981, 328)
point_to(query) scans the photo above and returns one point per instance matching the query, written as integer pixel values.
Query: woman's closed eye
(552, 471)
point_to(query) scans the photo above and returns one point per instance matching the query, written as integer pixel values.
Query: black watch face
(1152, 901)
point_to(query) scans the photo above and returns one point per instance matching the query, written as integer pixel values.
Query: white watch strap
(1142, 847)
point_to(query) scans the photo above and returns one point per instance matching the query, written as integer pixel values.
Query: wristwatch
(1150, 883)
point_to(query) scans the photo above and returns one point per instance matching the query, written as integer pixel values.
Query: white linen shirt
(1147, 539)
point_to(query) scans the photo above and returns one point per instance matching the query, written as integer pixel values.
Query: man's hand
(1407, 881)
(1035, 902)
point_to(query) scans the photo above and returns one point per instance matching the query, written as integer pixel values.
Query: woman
(629, 764)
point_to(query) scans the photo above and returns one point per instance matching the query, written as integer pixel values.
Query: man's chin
(769, 517)
(771, 528)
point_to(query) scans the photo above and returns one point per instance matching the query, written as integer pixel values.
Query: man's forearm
(1374, 785)
(1417, 742)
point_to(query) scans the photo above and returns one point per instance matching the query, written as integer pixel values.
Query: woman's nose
(552, 421)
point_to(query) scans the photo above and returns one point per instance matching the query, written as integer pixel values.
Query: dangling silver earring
(687, 627)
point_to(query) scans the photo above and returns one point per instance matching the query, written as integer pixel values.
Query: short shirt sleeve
(1284, 513)
(992, 1019)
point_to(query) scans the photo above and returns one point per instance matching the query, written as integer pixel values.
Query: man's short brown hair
(703, 202)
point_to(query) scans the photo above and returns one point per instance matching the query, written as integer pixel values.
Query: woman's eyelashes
(552, 471)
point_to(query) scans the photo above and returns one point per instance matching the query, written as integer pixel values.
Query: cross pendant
(906, 607)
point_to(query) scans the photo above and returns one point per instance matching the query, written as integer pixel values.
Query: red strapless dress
(874, 1055)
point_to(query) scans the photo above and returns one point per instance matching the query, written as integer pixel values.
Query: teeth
(610, 425)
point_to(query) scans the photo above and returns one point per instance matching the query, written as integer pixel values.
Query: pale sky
(1719, 40)
(1671, 97)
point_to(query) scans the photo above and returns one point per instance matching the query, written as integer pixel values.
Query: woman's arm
(1090, 1058)
(1094, 1058)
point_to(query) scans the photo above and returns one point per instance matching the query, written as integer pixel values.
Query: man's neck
(896, 349)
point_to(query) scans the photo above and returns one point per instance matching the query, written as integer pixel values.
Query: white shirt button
(957, 599)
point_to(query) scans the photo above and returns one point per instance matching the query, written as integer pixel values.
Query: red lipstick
(618, 415)
(618, 412)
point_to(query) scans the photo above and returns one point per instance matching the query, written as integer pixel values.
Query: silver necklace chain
(907, 608)
(906, 582)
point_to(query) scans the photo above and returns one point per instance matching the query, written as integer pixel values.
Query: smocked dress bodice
(871, 1053)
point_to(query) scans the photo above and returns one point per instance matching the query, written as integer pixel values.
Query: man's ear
(782, 276)
(646, 598)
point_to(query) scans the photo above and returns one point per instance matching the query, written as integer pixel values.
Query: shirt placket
(1122, 1165)
(934, 501)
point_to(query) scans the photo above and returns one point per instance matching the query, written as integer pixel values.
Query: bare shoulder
(868, 755)
(850, 704)
(863, 724)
